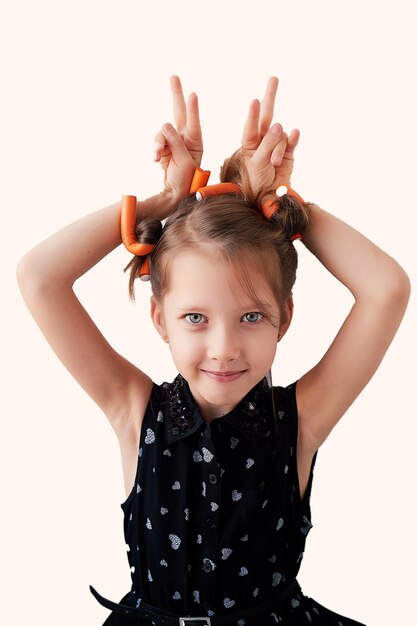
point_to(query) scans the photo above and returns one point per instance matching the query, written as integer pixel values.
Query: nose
(224, 344)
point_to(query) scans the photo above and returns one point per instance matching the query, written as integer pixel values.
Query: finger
(293, 140)
(273, 140)
(180, 110)
(287, 152)
(193, 117)
(176, 143)
(280, 151)
(267, 105)
(159, 145)
(250, 136)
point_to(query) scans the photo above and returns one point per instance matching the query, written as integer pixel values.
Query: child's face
(212, 326)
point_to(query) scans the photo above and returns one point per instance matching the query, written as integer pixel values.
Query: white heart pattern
(276, 578)
(243, 571)
(204, 489)
(272, 559)
(249, 463)
(233, 442)
(199, 539)
(197, 457)
(176, 485)
(255, 592)
(281, 414)
(150, 436)
(196, 595)
(160, 417)
(280, 523)
(164, 563)
(150, 576)
(286, 469)
(148, 523)
(222, 471)
(167, 452)
(236, 495)
(187, 514)
(175, 541)
(177, 596)
(228, 603)
(245, 537)
(163, 510)
(226, 552)
(207, 455)
(214, 506)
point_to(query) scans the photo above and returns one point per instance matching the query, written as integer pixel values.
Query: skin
(225, 332)
(380, 286)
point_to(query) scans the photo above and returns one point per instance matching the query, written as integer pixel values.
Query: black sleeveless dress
(215, 522)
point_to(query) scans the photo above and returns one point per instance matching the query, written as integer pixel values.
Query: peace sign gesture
(180, 150)
(267, 152)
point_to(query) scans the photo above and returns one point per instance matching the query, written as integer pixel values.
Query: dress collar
(249, 416)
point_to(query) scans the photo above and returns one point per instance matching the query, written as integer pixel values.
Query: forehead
(205, 276)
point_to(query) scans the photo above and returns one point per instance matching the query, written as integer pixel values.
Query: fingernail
(276, 129)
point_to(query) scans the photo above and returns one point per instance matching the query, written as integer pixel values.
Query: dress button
(207, 566)
(213, 479)
(210, 522)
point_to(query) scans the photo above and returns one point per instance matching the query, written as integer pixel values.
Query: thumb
(176, 143)
(273, 137)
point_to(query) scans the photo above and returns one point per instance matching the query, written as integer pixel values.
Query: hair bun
(148, 230)
(291, 215)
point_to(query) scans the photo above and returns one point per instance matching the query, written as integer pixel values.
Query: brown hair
(234, 229)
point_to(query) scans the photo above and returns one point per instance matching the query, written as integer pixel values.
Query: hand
(268, 153)
(180, 150)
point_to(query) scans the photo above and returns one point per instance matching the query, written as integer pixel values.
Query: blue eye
(192, 315)
(196, 322)
(255, 313)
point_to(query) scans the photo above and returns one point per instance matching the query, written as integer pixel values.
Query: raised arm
(381, 289)
(380, 286)
(46, 275)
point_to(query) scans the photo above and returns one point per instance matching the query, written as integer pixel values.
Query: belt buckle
(182, 620)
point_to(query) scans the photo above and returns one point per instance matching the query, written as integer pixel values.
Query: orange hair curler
(217, 190)
(128, 223)
(202, 190)
(270, 206)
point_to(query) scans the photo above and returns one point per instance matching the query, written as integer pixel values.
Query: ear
(157, 315)
(286, 321)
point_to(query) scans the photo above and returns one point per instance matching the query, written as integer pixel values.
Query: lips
(224, 377)
(224, 373)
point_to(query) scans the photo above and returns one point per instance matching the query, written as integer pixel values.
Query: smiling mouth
(225, 373)
(224, 377)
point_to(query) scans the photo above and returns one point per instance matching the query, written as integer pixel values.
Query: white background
(85, 88)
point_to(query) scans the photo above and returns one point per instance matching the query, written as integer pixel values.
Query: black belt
(160, 616)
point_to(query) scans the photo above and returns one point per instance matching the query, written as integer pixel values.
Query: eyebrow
(203, 308)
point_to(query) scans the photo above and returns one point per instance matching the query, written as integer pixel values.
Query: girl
(218, 465)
